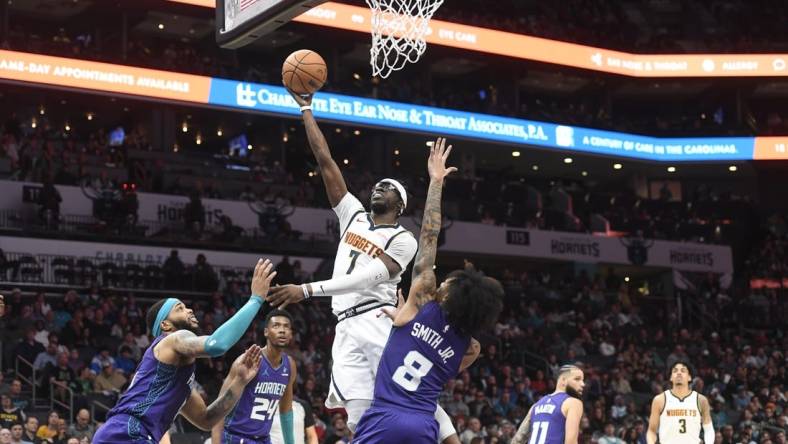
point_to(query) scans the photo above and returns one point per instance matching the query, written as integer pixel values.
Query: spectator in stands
(610, 436)
(456, 406)
(618, 410)
(474, 430)
(60, 373)
(103, 357)
(29, 348)
(203, 274)
(9, 414)
(284, 271)
(194, 215)
(17, 434)
(5, 435)
(31, 427)
(46, 357)
(125, 362)
(82, 427)
(131, 344)
(109, 381)
(15, 392)
(173, 270)
(51, 428)
(49, 199)
(339, 431)
(84, 382)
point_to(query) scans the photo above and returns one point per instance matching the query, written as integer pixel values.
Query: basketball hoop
(398, 30)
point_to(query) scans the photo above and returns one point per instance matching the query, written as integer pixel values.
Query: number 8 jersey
(251, 419)
(419, 358)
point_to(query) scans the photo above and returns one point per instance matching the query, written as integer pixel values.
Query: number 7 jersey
(419, 358)
(361, 242)
(252, 417)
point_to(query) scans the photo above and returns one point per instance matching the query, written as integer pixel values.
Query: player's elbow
(421, 266)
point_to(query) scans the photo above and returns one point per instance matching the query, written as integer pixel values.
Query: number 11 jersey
(548, 423)
(419, 358)
(251, 419)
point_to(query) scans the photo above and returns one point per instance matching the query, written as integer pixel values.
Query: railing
(100, 405)
(53, 401)
(32, 379)
(695, 315)
(115, 273)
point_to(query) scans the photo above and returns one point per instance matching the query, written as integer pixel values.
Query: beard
(184, 325)
(379, 207)
(573, 393)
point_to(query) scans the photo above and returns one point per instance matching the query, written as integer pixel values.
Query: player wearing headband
(374, 250)
(162, 384)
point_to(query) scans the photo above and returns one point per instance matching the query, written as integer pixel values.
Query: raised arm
(185, 344)
(329, 170)
(423, 283)
(653, 421)
(243, 370)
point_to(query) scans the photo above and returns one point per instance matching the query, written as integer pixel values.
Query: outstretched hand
(262, 277)
(300, 99)
(283, 295)
(436, 164)
(392, 312)
(246, 366)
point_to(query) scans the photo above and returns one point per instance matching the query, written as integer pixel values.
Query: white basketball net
(398, 30)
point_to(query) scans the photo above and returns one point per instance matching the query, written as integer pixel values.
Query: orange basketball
(304, 72)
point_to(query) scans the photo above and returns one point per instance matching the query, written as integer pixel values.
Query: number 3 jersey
(361, 242)
(419, 358)
(252, 417)
(680, 419)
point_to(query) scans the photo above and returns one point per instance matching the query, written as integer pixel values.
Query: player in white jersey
(374, 250)
(678, 415)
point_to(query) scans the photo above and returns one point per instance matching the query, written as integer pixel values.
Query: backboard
(240, 22)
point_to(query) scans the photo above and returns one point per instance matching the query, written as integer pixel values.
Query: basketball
(304, 72)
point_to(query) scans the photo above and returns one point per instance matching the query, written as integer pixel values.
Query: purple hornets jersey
(252, 417)
(419, 358)
(548, 423)
(147, 409)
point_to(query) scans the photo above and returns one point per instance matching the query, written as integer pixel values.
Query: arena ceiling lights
(473, 38)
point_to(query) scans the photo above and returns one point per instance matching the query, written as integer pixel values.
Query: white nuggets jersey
(360, 242)
(680, 420)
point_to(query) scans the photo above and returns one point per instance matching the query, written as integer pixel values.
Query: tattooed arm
(423, 285)
(521, 437)
(242, 371)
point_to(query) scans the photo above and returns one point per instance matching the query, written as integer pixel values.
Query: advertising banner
(461, 237)
(238, 95)
(473, 38)
(124, 254)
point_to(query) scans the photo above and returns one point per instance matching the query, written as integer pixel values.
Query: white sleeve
(402, 248)
(348, 207)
